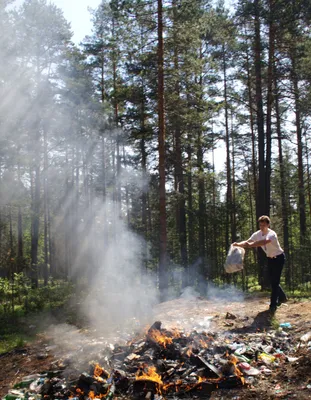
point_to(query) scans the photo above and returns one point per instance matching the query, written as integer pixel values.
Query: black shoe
(280, 302)
(272, 310)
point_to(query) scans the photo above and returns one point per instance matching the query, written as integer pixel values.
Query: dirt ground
(290, 380)
(21, 362)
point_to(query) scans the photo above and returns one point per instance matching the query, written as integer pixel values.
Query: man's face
(263, 226)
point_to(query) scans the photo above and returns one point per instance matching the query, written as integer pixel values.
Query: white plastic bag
(234, 261)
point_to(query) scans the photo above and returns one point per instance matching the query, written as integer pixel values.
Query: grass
(13, 341)
(275, 324)
(21, 326)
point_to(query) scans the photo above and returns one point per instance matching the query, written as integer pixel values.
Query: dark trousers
(275, 266)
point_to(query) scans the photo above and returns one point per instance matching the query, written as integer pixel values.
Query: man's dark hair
(264, 218)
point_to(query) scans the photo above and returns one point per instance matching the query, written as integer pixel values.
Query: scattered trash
(306, 337)
(292, 359)
(230, 316)
(266, 358)
(163, 364)
(286, 325)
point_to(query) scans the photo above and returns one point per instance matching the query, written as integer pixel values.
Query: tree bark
(261, 206)
(45, 206)
(228, 158)
(284, 200)
(179, 176)
(270, 99)
(35, 226)
(252, 127)
(163, 273)
(301, 186)
(20, 242)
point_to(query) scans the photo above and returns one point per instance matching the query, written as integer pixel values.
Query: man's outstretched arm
(248, 244)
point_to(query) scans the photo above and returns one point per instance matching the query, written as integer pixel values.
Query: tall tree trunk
(35, 225)
(284, 200)
(202, 278)
(233, 200)
(20, 243)
(270, 100)
(144, 197)
(308, 173)
(201, 215)
(301, 186)
(252, 127)
(144, 193)
(127, 198)
(12, 250)
(163, 273)
(190, 211)
(228, 158)
(261, 206)
(45, 206)
(116, 118)
(192, 254)
(67, 199)
(214, 252)
(179, 176)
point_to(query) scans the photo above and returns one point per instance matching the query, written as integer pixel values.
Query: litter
(235, 258)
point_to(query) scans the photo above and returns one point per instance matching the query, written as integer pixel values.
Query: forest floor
(289, 380)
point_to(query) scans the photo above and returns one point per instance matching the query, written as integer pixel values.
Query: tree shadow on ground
(262, 321)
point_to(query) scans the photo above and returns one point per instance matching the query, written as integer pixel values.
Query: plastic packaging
(266, 358)
(286, 325)
(235, 258)
(306, 337)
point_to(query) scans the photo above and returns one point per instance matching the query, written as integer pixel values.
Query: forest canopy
(127, 125)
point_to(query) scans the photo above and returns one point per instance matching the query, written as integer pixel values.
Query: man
(267, 239)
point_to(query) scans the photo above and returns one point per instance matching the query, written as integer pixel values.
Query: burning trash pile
(164, 364)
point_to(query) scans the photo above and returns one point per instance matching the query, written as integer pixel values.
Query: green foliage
(11, 341)
(79, 127)
(18, 295)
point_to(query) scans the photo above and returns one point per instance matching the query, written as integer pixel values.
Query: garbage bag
(234, 261)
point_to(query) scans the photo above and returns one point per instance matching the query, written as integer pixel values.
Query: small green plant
(275, 324)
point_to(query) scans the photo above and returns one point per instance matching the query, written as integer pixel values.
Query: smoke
(112, 259)
(225, 294)
(189, 293)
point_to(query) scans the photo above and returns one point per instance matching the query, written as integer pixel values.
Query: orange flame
(189, 351)
(233, 360)
(158, 337)
(98, 372)
(92, 395)
(175, 333)
(149, 375)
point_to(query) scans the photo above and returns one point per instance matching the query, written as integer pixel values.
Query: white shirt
(273, 248)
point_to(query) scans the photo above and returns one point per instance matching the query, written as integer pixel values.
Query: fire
(203, 344)
(189, 351)
(175, 333)
(158, 337)
(233, 361)
(98, 372)
(149, 375)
